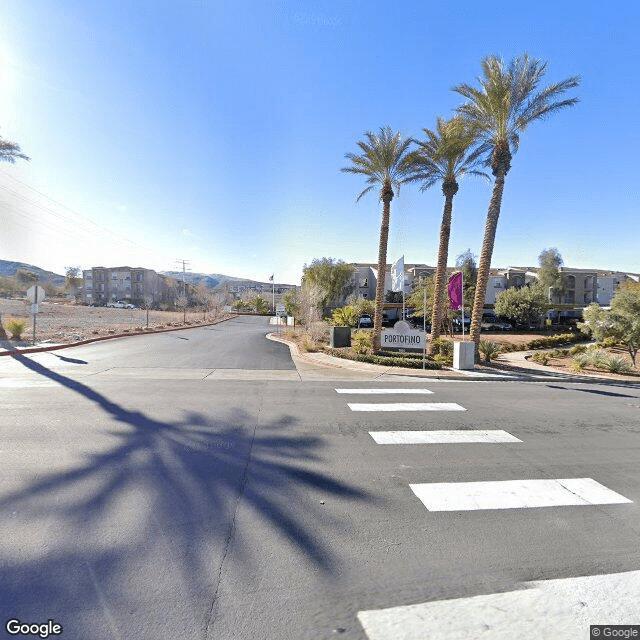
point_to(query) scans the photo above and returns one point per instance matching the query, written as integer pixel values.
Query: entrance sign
(402, 336)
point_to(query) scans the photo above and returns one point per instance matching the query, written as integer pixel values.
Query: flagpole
(462, 298)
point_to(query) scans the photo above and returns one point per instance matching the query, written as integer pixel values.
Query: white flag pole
(462, 298)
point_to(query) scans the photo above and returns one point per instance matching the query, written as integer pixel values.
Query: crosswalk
(475, 496)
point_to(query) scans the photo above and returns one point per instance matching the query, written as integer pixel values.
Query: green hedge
(411, 361)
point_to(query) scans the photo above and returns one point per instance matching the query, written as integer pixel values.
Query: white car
(118, 304)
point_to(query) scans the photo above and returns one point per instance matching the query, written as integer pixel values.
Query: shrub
(608, 343)
(597, 357)
(616, 364)
(442, 361)
(16, 328)
(541, 358)
(362, 341)
(396, 360)
(579, 348)
(309, 345)
(444, 347)
(554, 341)
(579, 363)
(344, 317)
(488, 349)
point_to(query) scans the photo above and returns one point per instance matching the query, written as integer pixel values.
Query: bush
(554, 341)
(616, 364)
(309, 345)
(579, 348)
(362, 341)
(444, 347)
(442, 361)
(396, 360)
(541, 358)
(344, 317)
(579, 363)
(488, 349)
(16, 328)
(608, 343)
(597, 357)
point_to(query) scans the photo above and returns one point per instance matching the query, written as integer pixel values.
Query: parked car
(495, 325)
(116, 304)
(365, 322)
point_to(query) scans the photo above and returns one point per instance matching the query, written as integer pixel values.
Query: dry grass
(62, 322)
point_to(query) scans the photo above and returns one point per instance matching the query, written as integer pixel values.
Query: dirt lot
(62, 322)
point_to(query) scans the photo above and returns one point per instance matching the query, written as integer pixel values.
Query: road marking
(438, 437)
(383, 391)
(407, 406)
(514, 494)
(561, 609)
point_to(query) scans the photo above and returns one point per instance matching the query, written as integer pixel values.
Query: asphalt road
(141, 496)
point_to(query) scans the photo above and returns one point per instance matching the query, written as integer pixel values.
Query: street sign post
(35, 295)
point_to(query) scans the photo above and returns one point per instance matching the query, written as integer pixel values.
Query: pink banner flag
(455, 290)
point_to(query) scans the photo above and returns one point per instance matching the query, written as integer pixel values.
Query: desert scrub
(444, 347)
(579, 348)
(362, 341)
(488, 349)
(541, 358)
(16, 328)
(616, 364)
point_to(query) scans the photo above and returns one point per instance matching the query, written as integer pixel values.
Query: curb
(536, 370)
(56, 347)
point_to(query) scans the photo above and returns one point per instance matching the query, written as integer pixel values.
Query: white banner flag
(397, 275)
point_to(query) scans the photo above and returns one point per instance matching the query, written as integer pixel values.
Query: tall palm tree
(445, 156)
(384, 162)
(507, 101)
(9, 151)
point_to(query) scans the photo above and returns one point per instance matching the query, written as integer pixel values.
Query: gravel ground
(61, 322)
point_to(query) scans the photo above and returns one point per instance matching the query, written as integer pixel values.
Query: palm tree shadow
(166, 485)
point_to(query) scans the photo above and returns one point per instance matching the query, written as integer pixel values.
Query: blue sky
(215, 131)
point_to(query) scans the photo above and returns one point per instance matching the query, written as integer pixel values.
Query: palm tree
(9, 151)
(384, 162)
(507, 101)
(445, 156)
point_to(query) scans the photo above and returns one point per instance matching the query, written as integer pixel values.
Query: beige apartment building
(107, 284)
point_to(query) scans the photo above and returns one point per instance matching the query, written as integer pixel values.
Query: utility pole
(184, 268)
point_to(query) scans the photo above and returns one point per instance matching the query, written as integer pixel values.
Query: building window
(497, 283)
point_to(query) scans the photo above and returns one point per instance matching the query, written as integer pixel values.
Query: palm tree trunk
(387, 196)
(449, 191)
(485, 255)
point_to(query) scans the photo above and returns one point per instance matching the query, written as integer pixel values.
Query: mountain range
(211, 280)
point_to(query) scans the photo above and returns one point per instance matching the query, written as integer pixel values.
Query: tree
(625, 319)
(445, 156)
(26, 278)
(596, 322)
(385, 163)
(291, 304)
(466, 262)
(549, 275)
(9, 151)
(73, 277)
(525, 305)
(416, 300)
(506, 103)
(330, 275)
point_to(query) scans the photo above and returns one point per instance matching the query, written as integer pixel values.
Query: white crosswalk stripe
(514, 494)
(406, 406)
(386, 391)
(442, 437)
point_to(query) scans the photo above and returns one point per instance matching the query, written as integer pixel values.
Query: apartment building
(105, 284)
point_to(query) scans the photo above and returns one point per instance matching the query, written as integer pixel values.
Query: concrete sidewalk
(507, 366)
